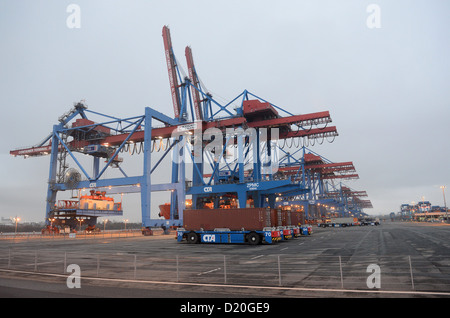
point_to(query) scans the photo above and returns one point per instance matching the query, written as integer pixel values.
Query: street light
(81, 220)
(16, 219)
(445, 204)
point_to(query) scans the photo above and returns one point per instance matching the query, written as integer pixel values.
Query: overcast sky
(387, 88)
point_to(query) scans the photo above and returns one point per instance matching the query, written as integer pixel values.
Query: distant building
(6, 221)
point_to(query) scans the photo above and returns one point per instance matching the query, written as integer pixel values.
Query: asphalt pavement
(413, 260)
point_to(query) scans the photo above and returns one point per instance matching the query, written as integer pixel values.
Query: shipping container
(297, 218)
(249, 219)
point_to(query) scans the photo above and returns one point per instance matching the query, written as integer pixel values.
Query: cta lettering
(209, 238)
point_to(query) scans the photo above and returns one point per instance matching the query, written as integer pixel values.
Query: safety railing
(32, 236)
(390, 273)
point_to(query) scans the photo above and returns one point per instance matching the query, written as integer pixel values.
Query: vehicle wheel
(192, 238)
(253, 238)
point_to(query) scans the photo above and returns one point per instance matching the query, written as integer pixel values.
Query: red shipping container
(297, 218)
(285, 218)
(250, 219)
(280, 217)
(274, 221)
(86, 122)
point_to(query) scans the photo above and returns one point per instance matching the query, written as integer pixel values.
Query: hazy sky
(387, 88)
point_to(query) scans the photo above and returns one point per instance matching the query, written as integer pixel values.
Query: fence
(393, 273)
(80, 235)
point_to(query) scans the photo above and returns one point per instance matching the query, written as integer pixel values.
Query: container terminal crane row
(247, 123)
(319, 175)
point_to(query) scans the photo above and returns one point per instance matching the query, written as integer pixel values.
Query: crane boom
(195, 83)
(171, 67)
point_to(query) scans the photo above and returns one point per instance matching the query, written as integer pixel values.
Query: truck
(370, 221)
(240, 225)
(339, 222)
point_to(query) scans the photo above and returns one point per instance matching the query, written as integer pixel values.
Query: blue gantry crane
(230, 152)
(323, 178)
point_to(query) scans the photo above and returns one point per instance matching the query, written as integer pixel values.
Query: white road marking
(211, 271)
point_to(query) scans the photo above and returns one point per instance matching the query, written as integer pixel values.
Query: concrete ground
(413, 261)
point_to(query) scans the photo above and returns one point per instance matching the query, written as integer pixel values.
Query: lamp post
(16, 219)
(445, 203)
(80, 220)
